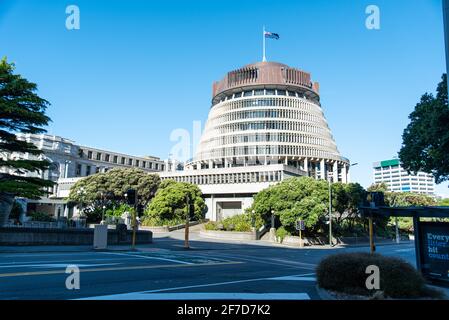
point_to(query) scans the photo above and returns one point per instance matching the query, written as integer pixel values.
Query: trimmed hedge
(345, 272)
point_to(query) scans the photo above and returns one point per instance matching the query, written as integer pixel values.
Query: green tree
(169, 202)
(21, 111)
(111, 186)
(444, 202)
(293, 199)
(425, 144)
(378, 187)
(346, 200)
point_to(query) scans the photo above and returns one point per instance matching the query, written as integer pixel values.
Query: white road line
(292, 278)
(204, 296)
(189, 287)
(24, 263)
(58, 265)
(291, 264)
(147, 257)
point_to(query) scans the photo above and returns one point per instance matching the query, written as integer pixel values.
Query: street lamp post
(331, 243)
(253, 219)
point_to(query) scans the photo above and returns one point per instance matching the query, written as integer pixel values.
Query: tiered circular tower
(269, 113)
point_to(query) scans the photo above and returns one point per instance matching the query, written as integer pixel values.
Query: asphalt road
(164, 270)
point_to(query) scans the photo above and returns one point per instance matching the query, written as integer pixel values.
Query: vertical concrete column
(344, 172)
(316, 164)
(211, 164)
(323, 170)
(306, 166)
(335, 172)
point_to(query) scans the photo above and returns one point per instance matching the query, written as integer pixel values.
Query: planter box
(227, 235)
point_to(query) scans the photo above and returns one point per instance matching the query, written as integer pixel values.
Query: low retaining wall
(227, 235)
(47, 236)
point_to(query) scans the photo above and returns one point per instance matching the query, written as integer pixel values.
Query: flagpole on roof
(264, 59)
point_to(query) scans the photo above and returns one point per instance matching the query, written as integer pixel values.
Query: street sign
(434, 249)
(300, 225)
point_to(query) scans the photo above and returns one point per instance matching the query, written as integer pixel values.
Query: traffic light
(191, 209)
(140, 210)
(131, 197)
(377, 198)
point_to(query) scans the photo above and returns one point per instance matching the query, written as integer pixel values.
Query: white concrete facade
(397, 179)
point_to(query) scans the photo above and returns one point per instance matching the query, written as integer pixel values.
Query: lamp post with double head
(330, 181)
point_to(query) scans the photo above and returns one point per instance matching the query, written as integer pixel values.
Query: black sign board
(434, 250)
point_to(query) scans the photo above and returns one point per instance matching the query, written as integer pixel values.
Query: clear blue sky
(136, 70)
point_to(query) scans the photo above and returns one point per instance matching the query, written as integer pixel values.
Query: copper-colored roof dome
(264, 74)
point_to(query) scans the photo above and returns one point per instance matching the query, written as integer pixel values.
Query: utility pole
(186, 234)
(330, 213)
(398, 238)
(371, 235)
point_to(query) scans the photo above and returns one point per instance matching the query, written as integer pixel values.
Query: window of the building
(157, 166)
(259, 92)
(98, 155)
(107, 157)
(123, 160)
(144, 164)
(130, 162)
(248, 93)
(137, 163)
(80, 153)
(88, 168)
(238, 95)
(115, 159)
(150, 165)
(89, 154)
(291, 94)
(282, 92)
(78, 170)
(270, 92)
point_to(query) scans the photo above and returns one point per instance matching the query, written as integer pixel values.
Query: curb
(324, 295)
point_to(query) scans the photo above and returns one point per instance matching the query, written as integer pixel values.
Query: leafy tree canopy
(425, 144)
(402, 199)
(170, 201)
(21, 111)
(293, 199)
(112, 185)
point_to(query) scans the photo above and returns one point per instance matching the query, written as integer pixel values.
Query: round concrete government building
(265, 124)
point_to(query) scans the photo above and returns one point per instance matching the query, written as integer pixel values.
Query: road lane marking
(292, 264)
(58, 265)
(147, 257)
(188, 287)
(39, 273)
(203, 296)
(293, 278)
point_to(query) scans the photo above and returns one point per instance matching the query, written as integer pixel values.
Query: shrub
(41, 216)
(211, 226)
(281, 233)
(241, 222)
(346, 273)
(158, 222)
